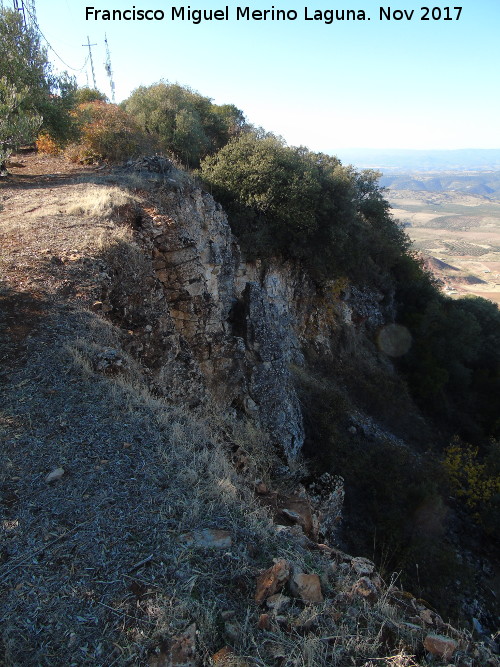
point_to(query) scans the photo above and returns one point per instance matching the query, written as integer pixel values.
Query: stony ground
(105, 490)
(90, 568)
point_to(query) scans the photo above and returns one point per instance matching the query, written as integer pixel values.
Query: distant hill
(392, 160)
(485, 183)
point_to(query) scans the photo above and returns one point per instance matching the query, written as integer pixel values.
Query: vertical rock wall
(227, 328)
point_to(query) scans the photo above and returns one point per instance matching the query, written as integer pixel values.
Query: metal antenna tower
(89, 45)
(19, 5)
(27, 9)
(109, 71)
(31, 10)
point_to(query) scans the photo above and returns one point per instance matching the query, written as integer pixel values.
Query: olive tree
(16, 125)
(31, 96)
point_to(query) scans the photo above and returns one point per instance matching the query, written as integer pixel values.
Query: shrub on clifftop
(183, 121)
(287, 200)
(106, 132)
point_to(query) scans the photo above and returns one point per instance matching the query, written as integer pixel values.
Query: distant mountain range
(394, 161)
(483, 183)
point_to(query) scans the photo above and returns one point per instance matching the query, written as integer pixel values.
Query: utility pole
(89, 45)
(109, 71)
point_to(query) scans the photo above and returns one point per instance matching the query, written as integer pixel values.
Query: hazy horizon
(393, 159)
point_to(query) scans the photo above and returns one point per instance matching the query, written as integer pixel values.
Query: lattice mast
(109, 71)
(89, 45)
(28, 11)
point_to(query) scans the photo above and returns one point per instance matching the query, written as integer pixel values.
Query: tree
(31, 97)
(21, 75)
(23, 61)
(289, 201)
(16, 126)
(87, 94)
(186, 123)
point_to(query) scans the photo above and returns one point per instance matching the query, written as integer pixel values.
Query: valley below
(453, 220)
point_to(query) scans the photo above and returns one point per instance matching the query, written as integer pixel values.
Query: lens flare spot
(394, 340)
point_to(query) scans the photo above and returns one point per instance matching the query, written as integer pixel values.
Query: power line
(22, 5)
(73, 69)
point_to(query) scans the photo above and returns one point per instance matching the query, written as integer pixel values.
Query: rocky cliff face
(208, 323)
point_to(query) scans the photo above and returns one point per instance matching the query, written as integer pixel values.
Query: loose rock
(362, 566)
(440, 646)
(365, 588)
(264, 622)
(307, 587)
(270, 581)
(226, 657)
(53, 476)
(180, 653)
(278, 602)
(208, 538)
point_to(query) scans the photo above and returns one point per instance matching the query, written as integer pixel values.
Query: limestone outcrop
(207, 323)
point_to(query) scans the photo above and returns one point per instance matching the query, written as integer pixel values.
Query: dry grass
(99, 201)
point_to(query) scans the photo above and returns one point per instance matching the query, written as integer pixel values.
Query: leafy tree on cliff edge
(290, 201)
(16, 125)
(186, 123)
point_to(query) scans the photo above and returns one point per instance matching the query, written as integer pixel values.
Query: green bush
(453, 367)
(475, 479)
(86, 94)
(183, 121)
(307, 206)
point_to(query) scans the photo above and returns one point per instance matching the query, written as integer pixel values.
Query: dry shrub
(47, 144)
(107, 133)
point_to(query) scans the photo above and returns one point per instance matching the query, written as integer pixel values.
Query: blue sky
(370, 84)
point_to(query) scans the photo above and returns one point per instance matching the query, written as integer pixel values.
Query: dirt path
(92, 571)
(69, 547)
(29, 200)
